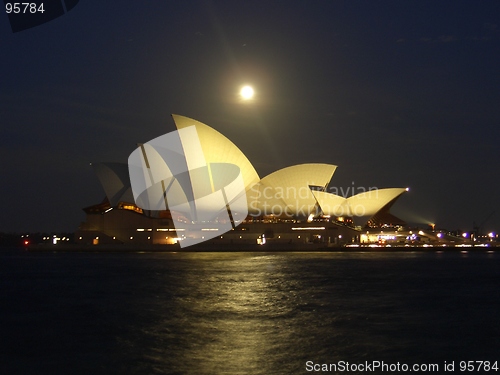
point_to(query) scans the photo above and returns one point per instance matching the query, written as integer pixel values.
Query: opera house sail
(194, 185)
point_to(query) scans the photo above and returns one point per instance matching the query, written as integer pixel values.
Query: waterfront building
(290, 206)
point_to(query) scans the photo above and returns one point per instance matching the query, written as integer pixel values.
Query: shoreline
(251, 248)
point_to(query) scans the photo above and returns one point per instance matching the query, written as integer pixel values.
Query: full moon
(246, 92)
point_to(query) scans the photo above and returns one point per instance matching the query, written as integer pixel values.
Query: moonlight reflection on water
(243, 313)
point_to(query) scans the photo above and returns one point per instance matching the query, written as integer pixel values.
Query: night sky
(396, 93)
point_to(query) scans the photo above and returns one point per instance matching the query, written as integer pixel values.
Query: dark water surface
(243, 313)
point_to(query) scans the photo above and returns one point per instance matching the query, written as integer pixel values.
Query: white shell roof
(363, 205)
(331, 204)
(290, 188)
(219, 149)
(370, 202)
(286, 191)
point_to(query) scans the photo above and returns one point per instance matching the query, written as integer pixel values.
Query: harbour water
(245, 313)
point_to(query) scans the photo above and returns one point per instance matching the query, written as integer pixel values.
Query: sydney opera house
(291, 206)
